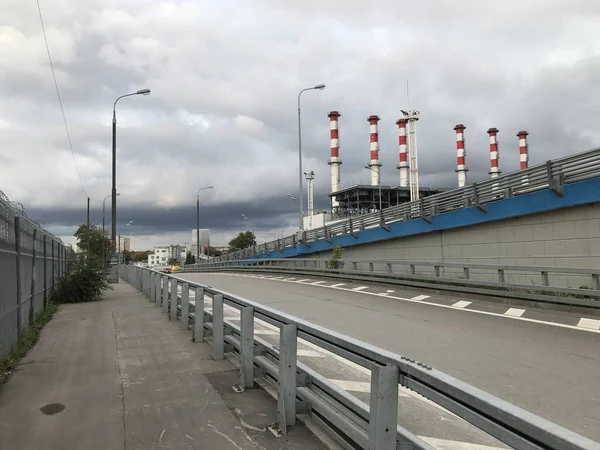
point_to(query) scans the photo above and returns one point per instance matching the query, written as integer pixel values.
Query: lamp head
(143, 92)
(319, 87)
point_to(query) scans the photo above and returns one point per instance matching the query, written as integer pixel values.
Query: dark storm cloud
(224, 79)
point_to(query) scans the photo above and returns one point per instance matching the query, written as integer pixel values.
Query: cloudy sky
(224, 78)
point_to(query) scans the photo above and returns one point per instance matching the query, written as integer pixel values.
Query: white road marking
(360, 288)
(311, 353)
(591, 324)
(438, 305)
(338, 285)
(420, 297)
(302, 281)
(444, 444)
(389, 291)
(289, 279)
(461, 304)
(383, 294)
(514, 312)
(317, 282)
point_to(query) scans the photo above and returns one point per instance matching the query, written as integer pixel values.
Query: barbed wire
(18, 209)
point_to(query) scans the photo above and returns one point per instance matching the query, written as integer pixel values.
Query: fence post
(158, 298)
(19, 288)
(383, 410)
(33, 277)
(185, 306)
(218, 332)
(45, 273)
(286, 398)
(247, 348)
(174, 295)
(151, 286)
(199, 315)
(53, 266)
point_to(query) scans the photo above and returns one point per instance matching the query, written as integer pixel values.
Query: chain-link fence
(32, 260)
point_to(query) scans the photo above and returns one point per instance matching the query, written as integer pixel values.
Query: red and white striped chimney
(461, 154)
(335, 161)
(374, 164)
(403, 165)
(494, 155)
(523, 149)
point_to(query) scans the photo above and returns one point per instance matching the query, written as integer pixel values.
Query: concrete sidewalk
(117, 374)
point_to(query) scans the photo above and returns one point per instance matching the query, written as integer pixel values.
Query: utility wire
(59, 98)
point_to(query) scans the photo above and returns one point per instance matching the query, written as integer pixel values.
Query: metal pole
(114, 184)
(300, 187)
(198, 228)
(380, 209)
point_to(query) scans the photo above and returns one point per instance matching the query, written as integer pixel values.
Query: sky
(225, 78)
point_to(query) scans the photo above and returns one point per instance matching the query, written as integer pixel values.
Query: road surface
(546, 362)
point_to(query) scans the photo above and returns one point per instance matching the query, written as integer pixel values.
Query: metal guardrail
(497, 280)
(303, 390)
(550, 175)
(32, 260)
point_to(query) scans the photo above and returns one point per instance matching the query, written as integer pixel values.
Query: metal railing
(551, 175)
(540, 284)
(304, 390)
(32, 260)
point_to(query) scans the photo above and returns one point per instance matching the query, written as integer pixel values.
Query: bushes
(81, 284)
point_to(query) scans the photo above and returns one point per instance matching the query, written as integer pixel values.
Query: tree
(92, 243)
(242, 241)
(189, 258)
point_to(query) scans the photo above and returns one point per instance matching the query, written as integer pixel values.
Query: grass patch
(26, 342)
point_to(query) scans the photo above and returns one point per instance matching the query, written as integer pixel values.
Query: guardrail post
(199, 315)
(412, 269)
(354, 265)
(545, 280)
(554, 183)
(157, 290)
(174, 295)
(466, 273)
(389, 266)
(383, 408)
(501, 278)
(436, 271)
(218, 331)
(596, 281)
(370, 267)
(246, 348)
(286, 398)
(185, 306)
(166, 293)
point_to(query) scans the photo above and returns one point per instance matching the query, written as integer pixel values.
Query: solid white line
(338, 285)
(514, 312)
(591, 324)
(461, 304)
(360, 288)
(444, 444)
(472, 311)
(317, 282)
(420, 297)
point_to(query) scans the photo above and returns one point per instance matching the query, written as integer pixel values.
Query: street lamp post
(253, 235)
(114, 277)
(103, 216)
(198, 222)
(300, 190)
(370, 168)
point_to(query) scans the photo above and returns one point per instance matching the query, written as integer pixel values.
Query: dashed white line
(591, 324)
(514, 312)
(317, 282)
(338, 285)
(420, 297)
(461, 304)
(302, 281)
(360, 288)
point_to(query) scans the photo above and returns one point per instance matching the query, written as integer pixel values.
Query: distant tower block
(494, 155)
(334, 161)
(374, 164)
(411, 117)
(461, 154)
(523, 149)
(403, 150)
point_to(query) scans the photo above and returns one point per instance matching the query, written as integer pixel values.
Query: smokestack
(403, 165)
(494, 155)
(310, 176)
(411, 117)
(523, 149)
(374, 164)
(461, 154)
(335, 161)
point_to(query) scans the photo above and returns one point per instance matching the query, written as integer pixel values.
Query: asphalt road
(549, 370)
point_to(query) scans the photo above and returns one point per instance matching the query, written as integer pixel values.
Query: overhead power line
(59, 98)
